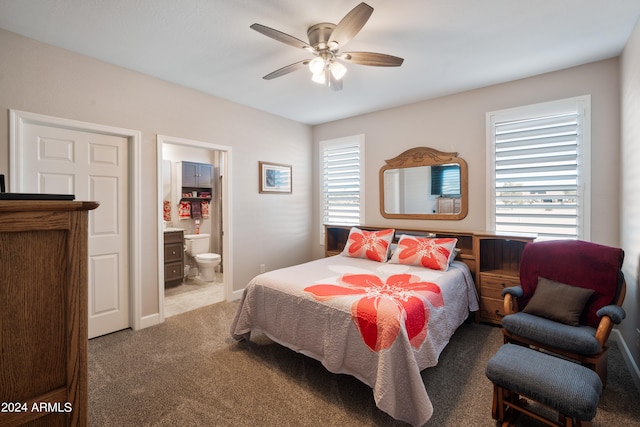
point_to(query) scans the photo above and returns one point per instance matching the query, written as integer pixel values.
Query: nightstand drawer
(491, 310)
(497, 281)
(491, 292)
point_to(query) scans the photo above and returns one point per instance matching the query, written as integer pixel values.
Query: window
(341, 181)
(538, 161)
(445, 180)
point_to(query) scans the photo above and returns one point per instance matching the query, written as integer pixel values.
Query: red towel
(166, 206)
(204, 208)
(184, 210)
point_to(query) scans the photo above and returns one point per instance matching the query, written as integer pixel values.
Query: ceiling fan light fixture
(320, 78)
(337, 70)
(325, 41)
(316, 65)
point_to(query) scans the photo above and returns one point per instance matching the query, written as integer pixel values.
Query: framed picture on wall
(274, 178)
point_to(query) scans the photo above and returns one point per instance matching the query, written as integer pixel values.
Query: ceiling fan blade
(370, 58)
(351, 24)
(287, 69)
(280, 36)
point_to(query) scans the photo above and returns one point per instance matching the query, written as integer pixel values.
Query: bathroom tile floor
(191, 294)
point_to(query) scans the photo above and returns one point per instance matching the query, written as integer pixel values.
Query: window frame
(581, 104)
(334, 143)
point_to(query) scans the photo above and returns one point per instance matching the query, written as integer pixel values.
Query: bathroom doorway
(185, 284)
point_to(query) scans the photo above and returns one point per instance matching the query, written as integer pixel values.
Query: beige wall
(457, 123)
(630, 184)
(39, 78)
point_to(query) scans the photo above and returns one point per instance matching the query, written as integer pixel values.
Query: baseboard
(236, 295)
(150, 320)
(626, 355)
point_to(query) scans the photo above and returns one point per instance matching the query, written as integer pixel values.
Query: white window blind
(538, 170)
(341, 175)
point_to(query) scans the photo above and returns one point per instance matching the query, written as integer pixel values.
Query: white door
(92, 166)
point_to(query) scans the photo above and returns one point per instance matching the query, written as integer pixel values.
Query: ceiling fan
(325, 41)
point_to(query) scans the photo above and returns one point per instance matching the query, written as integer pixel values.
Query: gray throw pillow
(557, 301)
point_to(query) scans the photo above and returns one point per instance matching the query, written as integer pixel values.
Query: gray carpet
(188, 371)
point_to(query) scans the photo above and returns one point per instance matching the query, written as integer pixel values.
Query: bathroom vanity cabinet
(43, 312)
(173, 258)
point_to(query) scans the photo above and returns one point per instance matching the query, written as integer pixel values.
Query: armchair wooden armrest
(510, 302)
(604, 330)
(606, 322)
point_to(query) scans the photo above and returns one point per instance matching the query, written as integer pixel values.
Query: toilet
(197, 246)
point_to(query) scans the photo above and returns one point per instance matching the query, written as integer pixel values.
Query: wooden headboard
(336, 238)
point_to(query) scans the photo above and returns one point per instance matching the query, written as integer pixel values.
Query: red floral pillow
(434, 253)
(373, 245)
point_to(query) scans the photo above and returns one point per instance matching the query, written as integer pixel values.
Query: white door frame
(17, 121)
(226, 212)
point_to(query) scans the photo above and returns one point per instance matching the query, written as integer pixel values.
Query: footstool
(567, 387)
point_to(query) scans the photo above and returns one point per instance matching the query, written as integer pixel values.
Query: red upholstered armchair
(570, 296)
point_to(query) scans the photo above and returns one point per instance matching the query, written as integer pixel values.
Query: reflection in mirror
(424, 183)
(422, 189)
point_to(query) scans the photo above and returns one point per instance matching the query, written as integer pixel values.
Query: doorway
(93, 162)
(192, 292)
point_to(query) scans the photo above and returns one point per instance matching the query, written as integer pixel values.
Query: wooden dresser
(498, 258)
(43, 312)
(493, 258)
(448, 205)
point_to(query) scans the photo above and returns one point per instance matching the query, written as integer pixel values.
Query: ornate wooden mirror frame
(424, 156)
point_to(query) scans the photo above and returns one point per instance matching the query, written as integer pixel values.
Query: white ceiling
(448, 45)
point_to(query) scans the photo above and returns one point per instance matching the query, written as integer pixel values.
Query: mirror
(424, 183)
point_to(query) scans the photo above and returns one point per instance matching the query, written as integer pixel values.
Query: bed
(379, 321)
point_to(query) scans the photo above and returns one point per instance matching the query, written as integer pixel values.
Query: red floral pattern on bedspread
(385, 306)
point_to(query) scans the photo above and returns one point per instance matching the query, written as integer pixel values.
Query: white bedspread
(322, 310)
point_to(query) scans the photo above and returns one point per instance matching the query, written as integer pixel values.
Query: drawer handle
(174, 252)
(499, 314)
